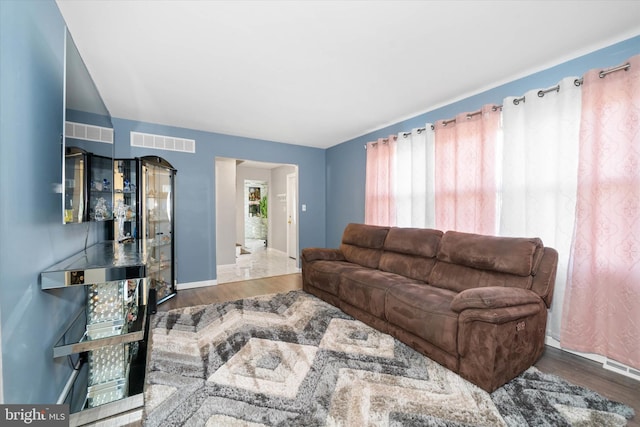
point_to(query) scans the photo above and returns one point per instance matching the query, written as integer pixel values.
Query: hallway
(258, 263)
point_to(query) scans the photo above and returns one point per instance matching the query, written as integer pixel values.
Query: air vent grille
(88, 132)
(621, 368)
(161, 142)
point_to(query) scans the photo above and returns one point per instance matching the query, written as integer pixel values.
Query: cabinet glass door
(125, 200)
(87, 186)
(158, 239)
(75, 185)
(100, 188)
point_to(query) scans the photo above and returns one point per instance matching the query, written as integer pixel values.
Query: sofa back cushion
(362, 244)
(466, 261)
(410, 252)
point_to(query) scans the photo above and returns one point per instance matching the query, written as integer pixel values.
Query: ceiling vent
(161, 142)
(88, 132)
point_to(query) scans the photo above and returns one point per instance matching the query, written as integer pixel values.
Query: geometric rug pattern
(293, 360)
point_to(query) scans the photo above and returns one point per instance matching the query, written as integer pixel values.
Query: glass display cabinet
(88, 187)
(157, 210)
(143, 213)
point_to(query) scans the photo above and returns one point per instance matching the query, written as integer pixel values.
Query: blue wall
(33, 236)
(346, 161)
(195, 188)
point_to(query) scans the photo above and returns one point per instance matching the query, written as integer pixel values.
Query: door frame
(292, 214)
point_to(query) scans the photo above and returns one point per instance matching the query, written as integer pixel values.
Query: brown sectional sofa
(475, 304)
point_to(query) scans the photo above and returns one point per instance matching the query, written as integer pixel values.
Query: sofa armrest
(493, 297)
(503, 311)
(322, 254)
(499, 316)
(497, 344)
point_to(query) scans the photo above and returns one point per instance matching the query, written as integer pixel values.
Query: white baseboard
(552, 342)
(608, 364)
(192, 285)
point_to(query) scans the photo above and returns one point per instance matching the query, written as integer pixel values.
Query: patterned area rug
(293, 360)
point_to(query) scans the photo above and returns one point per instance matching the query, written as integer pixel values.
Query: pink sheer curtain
(602, 303)
(465, 172)
(379, 203)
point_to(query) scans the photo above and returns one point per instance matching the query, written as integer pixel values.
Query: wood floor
(575, 369)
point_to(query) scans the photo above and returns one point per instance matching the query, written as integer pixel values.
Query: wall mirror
(87, 144)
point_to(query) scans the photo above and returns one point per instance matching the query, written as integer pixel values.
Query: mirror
(87, 145)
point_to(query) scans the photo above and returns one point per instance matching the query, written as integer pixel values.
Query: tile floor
(261, 262)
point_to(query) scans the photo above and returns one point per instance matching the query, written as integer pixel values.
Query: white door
(292, 215)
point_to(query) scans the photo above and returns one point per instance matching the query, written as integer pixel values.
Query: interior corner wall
(345, 162)
(195, 233)
(33, 235)
(225, 218)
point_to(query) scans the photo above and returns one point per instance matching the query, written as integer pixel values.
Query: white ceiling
(318, 73)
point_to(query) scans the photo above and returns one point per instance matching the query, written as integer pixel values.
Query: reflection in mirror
(74, 190)
(87, 144)
(88, 189)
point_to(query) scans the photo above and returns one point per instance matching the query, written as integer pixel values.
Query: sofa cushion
(493, 297)
(366, 288)
(458, 278)
(513, 255)
(424, 311)
(315, 254)
(325, 275)
(414, 267)
(362, 244)
(410, 252)
(413, 241)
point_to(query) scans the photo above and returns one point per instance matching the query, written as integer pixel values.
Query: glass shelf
(102, 262)
(110, 381)
(115, 313)
(96, 339)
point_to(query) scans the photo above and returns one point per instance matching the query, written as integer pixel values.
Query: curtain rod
(384, 141)
(602, 74)
(470, 115)
(625, 67)
(419, 130)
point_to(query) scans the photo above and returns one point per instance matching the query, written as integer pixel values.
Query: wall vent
(161, 142)
(608, 364)
(621, 368)
(88, 132)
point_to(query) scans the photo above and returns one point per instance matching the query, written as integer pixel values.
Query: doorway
(292, 215)
(255, 216)
(265, 241)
